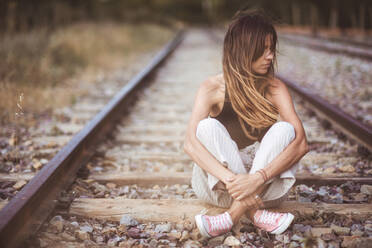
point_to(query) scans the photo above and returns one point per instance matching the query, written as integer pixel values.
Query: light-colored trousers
(216, 139)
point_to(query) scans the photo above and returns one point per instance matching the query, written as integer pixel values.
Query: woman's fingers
(235, 191)
(241, 196)
(241, 186)
(239, 193)
(234, 194)
(231, 179)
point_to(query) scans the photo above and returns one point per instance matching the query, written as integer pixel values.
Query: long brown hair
(244, 43)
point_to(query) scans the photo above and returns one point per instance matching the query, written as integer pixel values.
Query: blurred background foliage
(22, 15)
(44, 43)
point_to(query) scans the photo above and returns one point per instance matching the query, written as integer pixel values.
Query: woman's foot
(212, 226)
(275, 223)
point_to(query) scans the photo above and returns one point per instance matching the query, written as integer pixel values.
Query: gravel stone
(318, 231)
(37, 164)
(86, 228)
(357, 233)
(231, 241)
(128, 220)
(134, 233)
(153, 243)
(174, 235)
(43, 243)
(18, 185)
(44, 161)
(328, 236)
(111, 185)
(185, 235)
(163, 228)
(347, 169)
(216, 241)
(297, 238)
(356, 242)
(114, 241)
(368, 228)
(278, 237)
(74, 224)
(329, 170)
(82, 235)
(67, 237)
(192, 244)
(99, 239)
(366, 189)
(57, 223)
(321, 243)
(333, 244)
(293, 244)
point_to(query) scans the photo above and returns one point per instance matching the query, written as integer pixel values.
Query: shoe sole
(199, 224)
(284, 225)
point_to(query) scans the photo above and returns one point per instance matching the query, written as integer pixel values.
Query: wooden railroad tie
(180, 210)
(168, 178)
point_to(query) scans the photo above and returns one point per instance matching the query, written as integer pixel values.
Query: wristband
(263, 174)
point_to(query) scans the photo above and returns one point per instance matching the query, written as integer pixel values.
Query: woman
(244, 111)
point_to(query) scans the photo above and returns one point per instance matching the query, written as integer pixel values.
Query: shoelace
(268, 217)
(219, 222)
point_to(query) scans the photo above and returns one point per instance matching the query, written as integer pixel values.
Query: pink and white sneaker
(272, 222)
(212, 226)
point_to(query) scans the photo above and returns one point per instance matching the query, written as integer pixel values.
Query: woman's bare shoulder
(276, 86)
(213, 83)
(277, 90)
(276, 82)
(211, 91)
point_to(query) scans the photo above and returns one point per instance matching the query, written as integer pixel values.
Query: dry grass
(41, 65)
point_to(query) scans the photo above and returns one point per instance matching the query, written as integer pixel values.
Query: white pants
(216, 139)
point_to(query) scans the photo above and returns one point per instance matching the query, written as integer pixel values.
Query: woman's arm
(281, 98)
(243, 185)
(205, 98)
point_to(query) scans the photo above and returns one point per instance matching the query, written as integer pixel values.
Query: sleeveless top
(229, 118)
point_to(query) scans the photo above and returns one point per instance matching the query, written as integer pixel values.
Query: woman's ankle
(250, 213)
(233, 216)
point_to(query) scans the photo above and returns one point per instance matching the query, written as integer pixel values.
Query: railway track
(135, 189)
(356, 50)
(338, 39)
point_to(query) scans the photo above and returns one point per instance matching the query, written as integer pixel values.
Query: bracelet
(267, 178)
(263, 174)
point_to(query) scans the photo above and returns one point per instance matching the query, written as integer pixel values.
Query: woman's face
(262, 64)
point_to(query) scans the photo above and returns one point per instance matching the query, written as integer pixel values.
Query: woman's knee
(284, 130)
(206, 128)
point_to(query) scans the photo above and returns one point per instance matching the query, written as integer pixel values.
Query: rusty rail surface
(319, 44)
(349, 125)
(346, 41)
(25, 213)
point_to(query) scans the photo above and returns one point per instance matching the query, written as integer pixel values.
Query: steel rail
(348, 124)
(355, 52)
(346, 41)
(30, 207)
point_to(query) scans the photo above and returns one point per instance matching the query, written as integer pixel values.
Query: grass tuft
(40, 63)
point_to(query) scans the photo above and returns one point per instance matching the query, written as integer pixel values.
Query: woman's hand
(241, 185)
